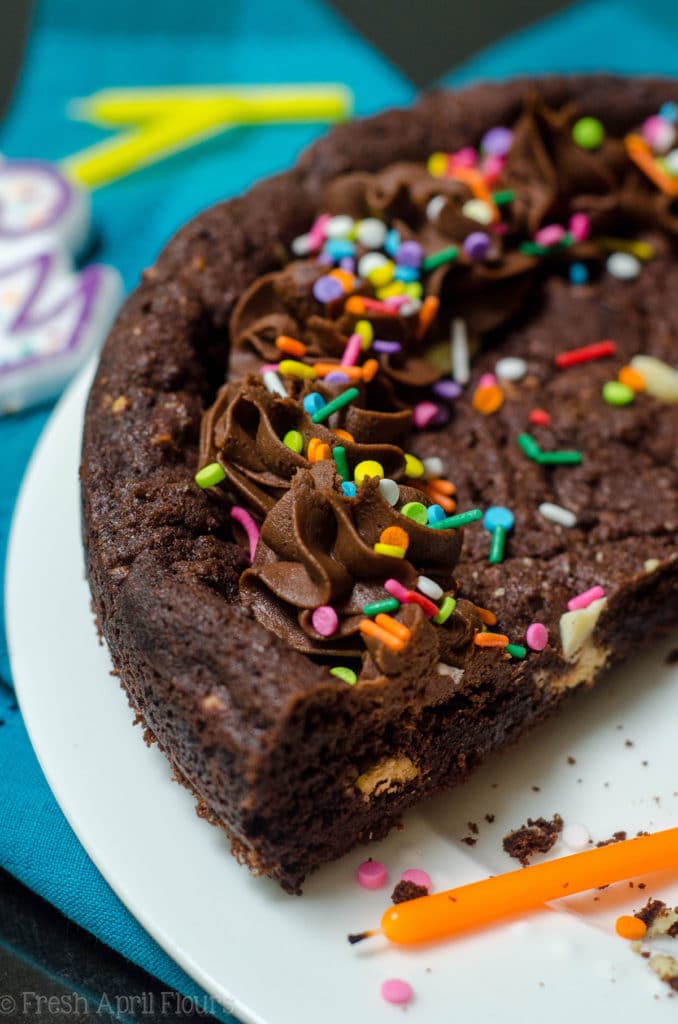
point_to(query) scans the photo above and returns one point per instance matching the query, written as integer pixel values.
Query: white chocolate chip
(661, 380)
(478, 210)
(511, 368)
(651, 565)
(575, 837)
(623, 265)
(576, 627)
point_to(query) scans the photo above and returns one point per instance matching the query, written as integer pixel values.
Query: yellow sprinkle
(369, 467)
(389, 290)
(437, 164)
(293, 368)
(413, 466)
(414, 289)
(366, 331)
(381, 275)
(389, 549)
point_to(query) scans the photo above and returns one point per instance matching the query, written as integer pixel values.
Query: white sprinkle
(660, 379)
(371, 233)
(500, 591)
(433, 467)
(558, 514)
(651, 565)
(434, 207)
(339, 227)
(461, 369)
(623, 265)
(671, 163)
(302, 245)
(389, 490)
(478, 210)
(410, 308)
(511, 368)
(369, 262)
(273, 383)
(575, 837)
(429, 588)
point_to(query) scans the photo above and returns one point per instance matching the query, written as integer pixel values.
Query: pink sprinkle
(537, 636)
(325, 620)
(396, 991)
(396, 301)
(492, 167)
(579, 226)
(659, 133)
(487, 380)
(550, 234)
(352, 350)
(585, 599)
(499, 228)
(317, 232)
(424, 414)
(396, 589)
(372, 874)
(248, 524)
(269, 366)
(465, 157)
(417, 876)
(405, 596)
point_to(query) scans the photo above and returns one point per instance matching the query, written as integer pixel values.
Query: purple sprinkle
(326, 259)
(389, 348)
(336, 377)
(410, 254)
(347, 263)
(497, 142)
(447, 388)
(476, 245)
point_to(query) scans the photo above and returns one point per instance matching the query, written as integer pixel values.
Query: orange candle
(448, 913)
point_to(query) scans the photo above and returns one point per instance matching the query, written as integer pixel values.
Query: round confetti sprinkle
(487, 380)
(588, 133)
(616, 393)
(371, 233)
(630, 927)
(370, 262)
(498, 516)
(477, 245)
(396, 537)
(434, 513)
(349, 488)
(313, 402)
(497, 141)
(488, 399)
(327, 289)
(390, 491)
(511, 368)
(659, 133)
(381, 275)
(416, 511)
(418, 877)
(294, 441)
(671, 163)
(347, 674)
(536, 636)
(578, 273)
(576, 837)
(397, 991)
(339, 227)
(623, 265)
(669, 111)
(433, 467)
(410, 253)
(423, 414)
(478, 210)
(558, 514)
(210, 476)
(372, 874)
(413, 466)
(367, 468)
(325, 620)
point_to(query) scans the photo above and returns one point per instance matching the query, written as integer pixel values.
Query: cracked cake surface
(210, 612)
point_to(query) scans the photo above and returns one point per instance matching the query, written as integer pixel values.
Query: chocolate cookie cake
(380, 460)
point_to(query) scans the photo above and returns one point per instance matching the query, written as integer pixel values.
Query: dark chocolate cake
(456, 319)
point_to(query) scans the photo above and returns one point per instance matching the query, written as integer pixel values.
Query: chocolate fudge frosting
(219, 656)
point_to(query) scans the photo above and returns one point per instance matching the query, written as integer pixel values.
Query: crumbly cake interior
(224, 669)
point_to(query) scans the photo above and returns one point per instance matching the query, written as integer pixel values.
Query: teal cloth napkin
(71, 54)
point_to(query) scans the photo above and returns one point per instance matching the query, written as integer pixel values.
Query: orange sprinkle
(370, 367)
(290, 345)
(355, 304)
(320, 451)
(448, 504)
(632, 378)
(352, 372)
(345, 278)
(442, 486)
(490, 640)
(630, 927)
(370, 628)
(396, 536)
(488, 399)
(344, 435)
(312, 447)
(489, 618)
(642, 156)
(427, 314)
(392, 625)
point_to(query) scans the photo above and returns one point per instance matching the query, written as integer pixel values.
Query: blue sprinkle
(392, 243)
(434, 513)
(349, 488)
(497, 515)
(313, 402)
(407, 274)
(339, 248)
(669, 111)
(579, 273)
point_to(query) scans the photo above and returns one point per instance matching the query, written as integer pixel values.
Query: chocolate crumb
(616, 837)
(405, 891)
(537, 836)
(650, 911)
(628, 743)
(472, 827)
(536, 789)
(646, 954)
(469, 840)
(672, 657)
(571, 760)
(642, 885)
(489, 818)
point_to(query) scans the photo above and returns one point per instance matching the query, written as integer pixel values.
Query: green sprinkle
(446, 609)
(567, 240)
(588, 133)
(533, 249)
(454, 522)
(516, 650)
(340, 461)
(389, 604)
(294, 441)
(502, 197)
(438, 258)
(416, 511)
(497, 545)
(345, 398)
(210, 476)
(616, 393)
(529, 446)
(347, 674)
(563, 458)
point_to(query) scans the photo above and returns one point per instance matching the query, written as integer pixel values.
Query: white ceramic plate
(276, 959)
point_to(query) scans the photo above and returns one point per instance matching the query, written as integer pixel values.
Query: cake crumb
(537, 836)
(405, 891)
(489, 818)
(616, 837)
(672, 657)
(571, 760)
